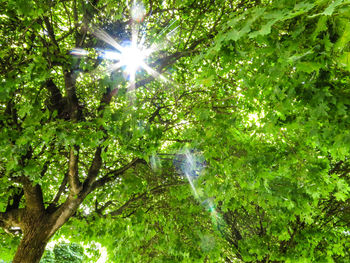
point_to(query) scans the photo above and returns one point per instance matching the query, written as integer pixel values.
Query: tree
(64, 252)
(282, 157)
(62, 138)
(258, 89)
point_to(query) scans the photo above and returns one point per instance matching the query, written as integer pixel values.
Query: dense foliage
(240, 156)
(64, 252)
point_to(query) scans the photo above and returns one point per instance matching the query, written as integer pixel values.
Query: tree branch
(59, 192)
(93, 171)
(16, 199)
(50, 31)
(111, 176)
(72, 99)
(165, 62)
(73, 174)
(107, 97)
(156, 190)
(56, 99)
(11, 218)
(102, 208)
(32, 193)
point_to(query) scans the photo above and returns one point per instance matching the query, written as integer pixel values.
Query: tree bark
(36, 235)
(31, 248)
(39, 226)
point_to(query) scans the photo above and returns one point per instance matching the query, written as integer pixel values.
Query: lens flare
(155, 162)
(138, 12)
(78, 52)
(110, 55)
(192, 164)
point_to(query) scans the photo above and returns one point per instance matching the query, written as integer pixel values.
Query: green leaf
(344, 40)
(308, 67)
(321, 26)
(344, 61)
(330, 9)
(237, 34)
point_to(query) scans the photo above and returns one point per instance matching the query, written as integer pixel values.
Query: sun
(132, 58)
(128, 57)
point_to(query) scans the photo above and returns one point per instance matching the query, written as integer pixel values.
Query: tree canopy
(176, 131)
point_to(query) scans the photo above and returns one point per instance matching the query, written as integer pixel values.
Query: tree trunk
(38, 227)
(37, 230)
(32, 245)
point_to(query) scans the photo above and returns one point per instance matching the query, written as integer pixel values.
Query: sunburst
(130, 57)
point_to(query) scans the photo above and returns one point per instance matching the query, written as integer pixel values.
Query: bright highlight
(132, 58)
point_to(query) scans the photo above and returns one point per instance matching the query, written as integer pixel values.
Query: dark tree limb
(111, 176)
(59, 192)
(99, 210)
(32, 193)
(61, 215)
(73, 173)
(93, 171)
(14, 201)
(107, 97)
(10, 230)
(72, 99)
(11, 218)
(56, 100)
(50, 31)
(145, 195)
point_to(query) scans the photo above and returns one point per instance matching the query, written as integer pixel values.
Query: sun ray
(114, 67)
(155, 46)
(132, 80)
(143, 38)
(153, 72)
(101, 34)
(134, 35)
(128, 56)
